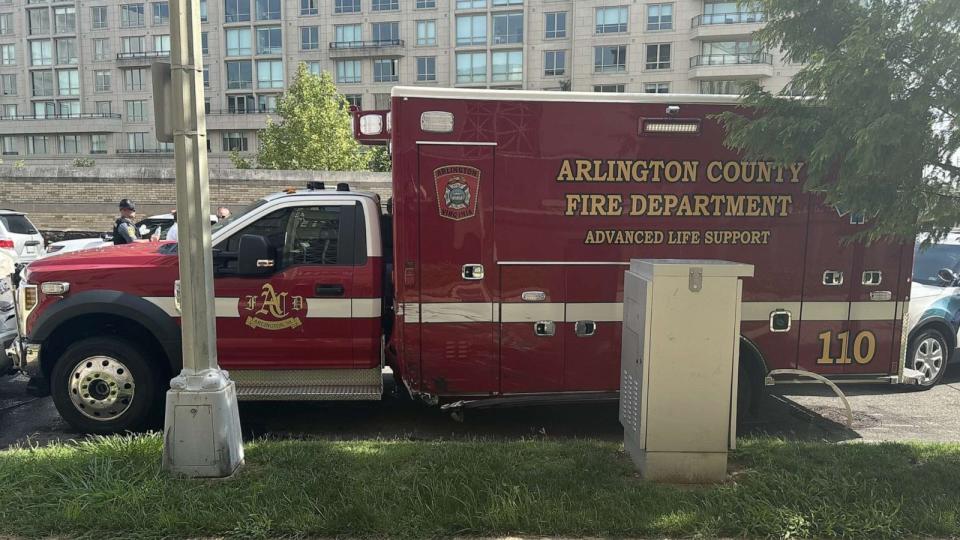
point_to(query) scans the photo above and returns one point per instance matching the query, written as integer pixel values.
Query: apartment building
(75, 75)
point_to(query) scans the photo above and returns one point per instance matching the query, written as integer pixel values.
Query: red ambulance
(514, 216)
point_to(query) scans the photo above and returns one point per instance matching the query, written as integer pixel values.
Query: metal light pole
(202, 435)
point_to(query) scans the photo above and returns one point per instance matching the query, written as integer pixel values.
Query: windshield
(929, 260)
(233, 217)
(17, 224)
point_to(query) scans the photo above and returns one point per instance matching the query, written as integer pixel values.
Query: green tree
(380, 159)
(879, 130)
(314, 130)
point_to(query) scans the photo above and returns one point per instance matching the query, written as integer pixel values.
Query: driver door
(298, 317)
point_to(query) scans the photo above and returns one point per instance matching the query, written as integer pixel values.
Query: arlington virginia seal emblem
(457, 189)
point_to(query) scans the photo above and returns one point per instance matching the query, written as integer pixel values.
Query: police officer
(123, 230)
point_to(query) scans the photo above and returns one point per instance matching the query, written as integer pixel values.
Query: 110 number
(864, 347)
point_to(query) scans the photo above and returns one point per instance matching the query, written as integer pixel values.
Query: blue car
(934, 313)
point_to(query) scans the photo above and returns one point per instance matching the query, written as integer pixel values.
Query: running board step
(308, 385)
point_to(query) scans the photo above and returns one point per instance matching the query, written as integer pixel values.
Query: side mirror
(947, 275)
(254, 256)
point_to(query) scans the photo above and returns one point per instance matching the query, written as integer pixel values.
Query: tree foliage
(314, 130)
(879, 130)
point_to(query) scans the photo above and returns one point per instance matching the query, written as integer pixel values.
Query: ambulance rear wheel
(106, 385)
(749, 388)
(928, 353)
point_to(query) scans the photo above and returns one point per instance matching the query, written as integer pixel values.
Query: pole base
(201, 435)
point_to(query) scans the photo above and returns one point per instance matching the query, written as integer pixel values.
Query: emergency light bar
(670, 126)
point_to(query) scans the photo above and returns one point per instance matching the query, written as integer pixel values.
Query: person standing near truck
(124, 231)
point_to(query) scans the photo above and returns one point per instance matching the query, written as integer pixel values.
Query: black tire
(923, 339)
(124, 362)
(749, 389)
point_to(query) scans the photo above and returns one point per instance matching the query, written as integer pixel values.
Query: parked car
(8, 318)
(934, 313)
(145, 227)
(19, 237)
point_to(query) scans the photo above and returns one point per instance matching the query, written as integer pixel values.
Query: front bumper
(25, 357)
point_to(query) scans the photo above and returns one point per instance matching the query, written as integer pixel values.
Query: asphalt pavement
(881, 413)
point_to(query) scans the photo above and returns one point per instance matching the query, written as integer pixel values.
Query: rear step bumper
(308, 385)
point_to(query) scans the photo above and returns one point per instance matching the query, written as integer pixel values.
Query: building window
(729, 52)
(472, 67)
(657, 88)
(241, 104)
(104, 108)
(10, 146)
(309, 7)
(471, 4)
(472, 30)
(382, 102)
(346, 6)
(267, 103)
(69, 144)
(39, 21)
(269, 74)
(658, 56)
(8, 84)
(68, 82)
(315, 68)
(556, 25)
(136, 111)
(385, 5)
(354, 100)
(135, 80)
(507, 2)
(203, 11)
(205, 42)
(507, 28)
(8, 54)
(268, 10)
(345, 35)
(42, 82)
(732, 12)
(387, 33)
(101, 48)
(609, 88)
(102, 80)
(234, 141)
(611, 58)
(269, 40)
(554, 63)
(98, 144)
(348, 71)
(426, 4)
(386, 70)
(206, 77)
(99, 17)
(426, 68)
(41, 53)
(43, 109)
(611, 20)
(239, 74)
(10, 111)
(729, 87)
(133, 44)
(70, 108)
(161, 13)
(136, 141)
(161, 44)
(37, 144)
(131, 15)
(239, 42)
(507, 66)
(65, 20)
(426, 32)
(659, 17)
(309, 37)
(236, 11)
(6, 24)
(67, 51)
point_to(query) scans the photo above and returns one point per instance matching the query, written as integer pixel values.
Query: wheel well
(941, 327)
(751, 357)
(100, 324)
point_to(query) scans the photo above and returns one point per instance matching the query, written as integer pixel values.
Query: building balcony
(359, 49)
(59, 124)
(731, 66)
(727, 24)
(236, 119)
(142, 58)
(161, 151)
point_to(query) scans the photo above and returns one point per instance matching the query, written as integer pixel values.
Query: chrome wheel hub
(101, 387)
(928, 359)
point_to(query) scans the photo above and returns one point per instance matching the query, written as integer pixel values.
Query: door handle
(328, 289)
(472, 271)
(585, 328)
(544, 328)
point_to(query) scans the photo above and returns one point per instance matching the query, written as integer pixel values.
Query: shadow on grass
(113, 487)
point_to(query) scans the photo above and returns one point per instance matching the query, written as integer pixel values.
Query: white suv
(19, 238)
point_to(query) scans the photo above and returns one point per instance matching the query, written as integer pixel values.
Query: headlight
(30, 297)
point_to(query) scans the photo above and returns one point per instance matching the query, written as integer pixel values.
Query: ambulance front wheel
(928, 353)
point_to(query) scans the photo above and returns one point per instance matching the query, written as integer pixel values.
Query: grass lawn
(112, 487)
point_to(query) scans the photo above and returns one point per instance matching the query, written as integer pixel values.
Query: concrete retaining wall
(71, 199)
